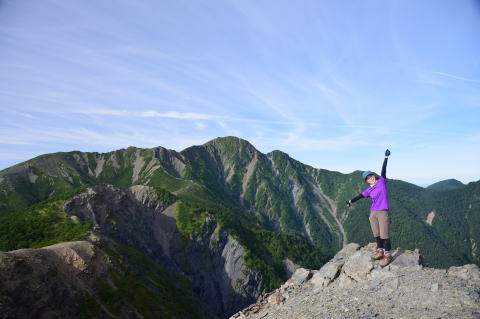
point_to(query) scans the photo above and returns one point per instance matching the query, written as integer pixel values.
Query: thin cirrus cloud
(174, 115)
(456, 77)
(330, 83)
(150, 113)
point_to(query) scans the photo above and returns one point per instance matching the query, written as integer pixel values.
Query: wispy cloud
(178, 115)
(110, 140)
(456, 77)
(308, 78)
(169, 115)
(440, 78)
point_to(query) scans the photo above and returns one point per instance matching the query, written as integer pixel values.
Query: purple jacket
(379, 195)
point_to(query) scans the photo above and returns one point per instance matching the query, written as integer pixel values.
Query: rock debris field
(351, 285)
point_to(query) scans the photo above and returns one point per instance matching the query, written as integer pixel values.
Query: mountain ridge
(273, 213)
(282, 194)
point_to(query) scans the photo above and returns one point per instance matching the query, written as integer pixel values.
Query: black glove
(349, 203)
(387, 153)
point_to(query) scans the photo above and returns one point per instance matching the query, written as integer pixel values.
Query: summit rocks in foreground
(351, 285)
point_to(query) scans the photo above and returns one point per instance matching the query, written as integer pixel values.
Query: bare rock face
(47, 282)
(245, 282)
(212, 260)
(352, 285)
(217, 270)
(52, 282)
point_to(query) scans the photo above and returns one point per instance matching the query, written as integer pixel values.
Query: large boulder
(358, 266)
(328, 273)
(331, 270)
(407, 258)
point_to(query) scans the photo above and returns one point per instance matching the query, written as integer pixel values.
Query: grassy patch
(164, 180)
(38, 226)
(190, 220)
(165, 196)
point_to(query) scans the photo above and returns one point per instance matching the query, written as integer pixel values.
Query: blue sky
(332, 83)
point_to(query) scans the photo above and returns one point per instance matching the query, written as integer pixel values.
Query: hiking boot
(378, 254)
(387, 258)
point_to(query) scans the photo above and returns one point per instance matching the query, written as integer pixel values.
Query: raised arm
(384, 166)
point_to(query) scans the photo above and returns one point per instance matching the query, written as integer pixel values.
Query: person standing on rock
(379, 221)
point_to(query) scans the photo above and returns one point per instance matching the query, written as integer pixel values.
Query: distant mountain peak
(232, 145)
(447, 184)
(229, 140)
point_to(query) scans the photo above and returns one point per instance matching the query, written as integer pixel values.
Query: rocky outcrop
(352, 285)
(134, 241)
(212, 260)
(48, 282)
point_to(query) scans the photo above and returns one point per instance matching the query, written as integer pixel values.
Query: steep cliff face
(211, 259)
(214, 262)
(351, 285)
(135, 248)
(91, 280)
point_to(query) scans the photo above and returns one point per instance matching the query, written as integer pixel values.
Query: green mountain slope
(271, 191)
(219, 258)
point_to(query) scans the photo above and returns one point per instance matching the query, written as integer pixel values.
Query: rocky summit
(352, 285)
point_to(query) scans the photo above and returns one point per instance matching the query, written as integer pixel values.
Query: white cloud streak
(155, 114)
(456, 77)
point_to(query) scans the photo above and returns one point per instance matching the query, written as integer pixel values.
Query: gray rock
(467, 272)
(358, 266)
(275, 298)
(346, 251)
(34, 282)
(406, 258)
(344, 280)
(300, 276)
(326, 274)
(365, 290)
